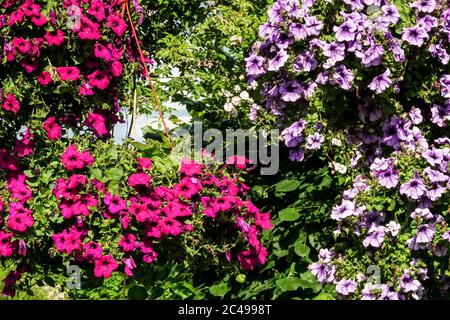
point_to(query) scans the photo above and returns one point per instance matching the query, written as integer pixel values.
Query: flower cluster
(104, 229)
(75, 48)
(303, 64)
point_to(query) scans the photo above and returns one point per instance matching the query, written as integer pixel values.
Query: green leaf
(323, 296)
(289, 214)
(287, 185)
(96, 173)
(114, 174)
(111, 152)
(301, 249)
(219, 290)
(288, 284)
(137, 293)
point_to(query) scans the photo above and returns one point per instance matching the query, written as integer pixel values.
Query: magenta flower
(11, 103)
(105, 266)
(117, 24)
(52, 128)
(73, 159)
(68, 73)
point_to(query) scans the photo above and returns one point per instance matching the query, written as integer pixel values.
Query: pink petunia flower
(52, 128)
(68, 73)
(105, 266)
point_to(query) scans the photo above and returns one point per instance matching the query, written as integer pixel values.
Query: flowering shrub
(375, 72)
(68, 195)
(348, 60)
(62, 60)
(90, 209)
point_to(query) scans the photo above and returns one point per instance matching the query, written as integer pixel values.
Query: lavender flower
(346, 287)
(425, 234)
(381, 82)
(414, 188)
(375, 237)
(346, 31)
(255, 65)
(314, 141)
(408, 284)
(445, 85)
(278, 61)
(414, 35)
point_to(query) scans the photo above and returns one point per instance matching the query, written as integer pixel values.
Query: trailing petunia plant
(377, 73)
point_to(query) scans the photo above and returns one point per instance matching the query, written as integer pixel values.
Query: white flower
(336, 142)
(245, 96)
(338, 167)
(228, 107)
(236, 101)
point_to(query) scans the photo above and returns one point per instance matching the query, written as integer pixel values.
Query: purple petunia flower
(424, 5)
(325, 255)
(428, 23)
(390, 14)
(291, 91)
(314, 141)
(438, 50)
(375, 237)
(440, 114)
(415, 115)
(381, 82)
(414, 188)
(292, 135)
(388, 178)
(423, 213)
(305, 62)
(393, 227)
(414, 35)
(408, 284)
(343, 77)
(436, 191)
(299, 31)
(255, 65)
(320, 270)
(425, 234)
(445, 85)
(335, 52)
(346, 31)
(346, 287)
(346, 209)
(433, 156)
(278, 61)
(369, 110)
(313, 25)
(297, 155)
